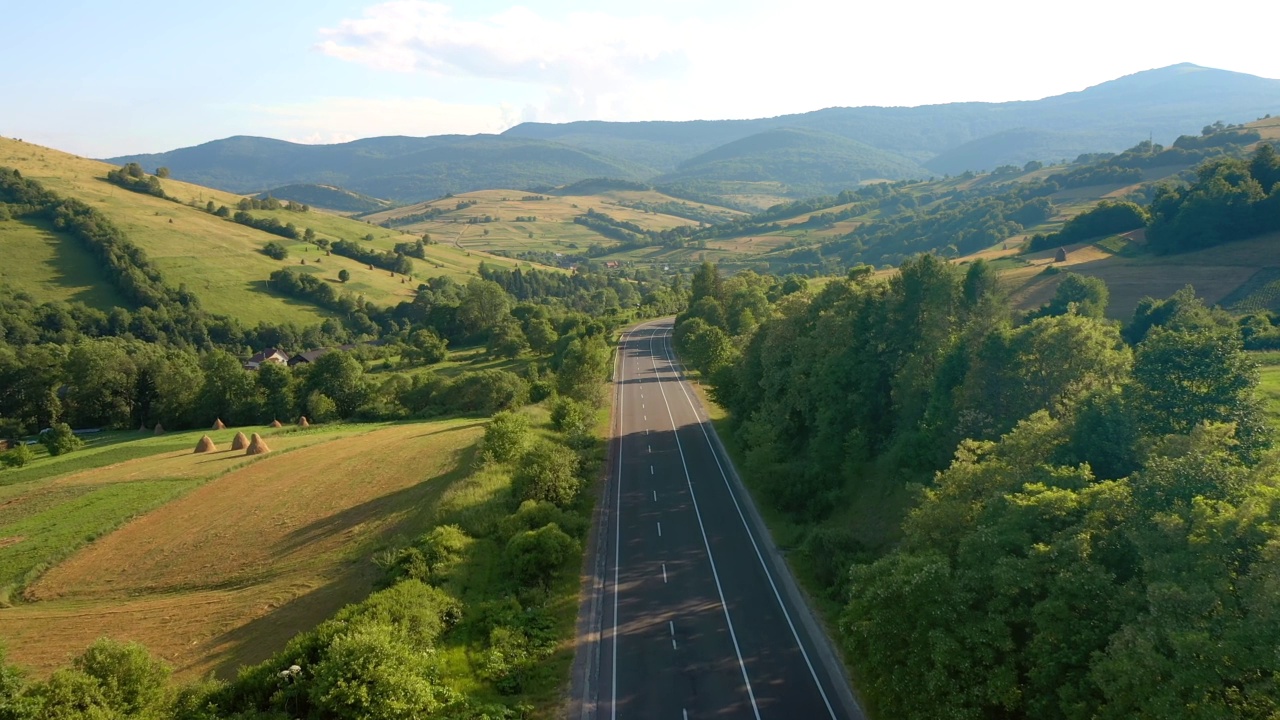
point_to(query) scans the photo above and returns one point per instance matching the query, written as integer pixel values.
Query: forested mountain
(830, 148)
(403, 169)
(809, 162)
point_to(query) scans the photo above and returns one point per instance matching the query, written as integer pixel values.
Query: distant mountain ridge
(819, 151)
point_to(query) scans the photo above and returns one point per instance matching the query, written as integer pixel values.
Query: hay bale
(257, 446)
(302, 422)
(240, 442)
(1061, 255)
(219, 425)
(206, 445)
(142, 427)
(275, 423)
(159, 429)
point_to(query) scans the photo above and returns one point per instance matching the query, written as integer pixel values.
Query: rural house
(270, 355)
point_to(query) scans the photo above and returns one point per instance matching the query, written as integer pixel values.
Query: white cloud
(586, 61)
(342, 119)
(757, 59)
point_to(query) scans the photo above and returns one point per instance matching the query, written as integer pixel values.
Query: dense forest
(1096, 505)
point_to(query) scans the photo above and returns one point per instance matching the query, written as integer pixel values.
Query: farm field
(213, 560)
(1216, 273)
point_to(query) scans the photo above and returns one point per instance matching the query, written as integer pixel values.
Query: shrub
(275, 251)
(506, 436)
(572, 418)
(369, 673)
(17, 457)
(130, 680)
(536, 557)
(548, 471)
(59, 439)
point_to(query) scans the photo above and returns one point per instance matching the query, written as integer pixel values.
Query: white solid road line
(716, 456)
(617, 544)
(705, 542)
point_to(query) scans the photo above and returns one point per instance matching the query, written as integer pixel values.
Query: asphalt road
(696, 615)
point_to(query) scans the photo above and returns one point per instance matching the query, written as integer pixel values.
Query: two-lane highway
(699, 618)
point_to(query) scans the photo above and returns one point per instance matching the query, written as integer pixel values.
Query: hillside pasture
(220, 261)
(1215, 273)
(49, 265)
(245, 553)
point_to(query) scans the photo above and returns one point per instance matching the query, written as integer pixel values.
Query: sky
(104, 79)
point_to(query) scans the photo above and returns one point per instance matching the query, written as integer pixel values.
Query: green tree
(547, 471)
(162, 172)
(1086, 296)
(60, 440)
(484, 306)
(1184, 378)
(584, 369)
(427, 347)
(228, 391)
(279, 392)
(344, 275)
(340, 377)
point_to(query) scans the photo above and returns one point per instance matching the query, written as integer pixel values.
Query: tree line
(1096, 501)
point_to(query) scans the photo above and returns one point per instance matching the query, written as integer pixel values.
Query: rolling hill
(327, 197)
(219, 261)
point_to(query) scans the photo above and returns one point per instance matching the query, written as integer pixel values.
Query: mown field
(215, 560)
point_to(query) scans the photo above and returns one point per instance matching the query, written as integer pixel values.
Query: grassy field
(214, 561)
(40, 261)
(218, 260)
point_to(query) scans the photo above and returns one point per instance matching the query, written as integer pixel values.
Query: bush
(131, 681)
(506, 436)
(369, 673)
(17, 457)
(275, 251)
(533, 514)
(432, 557)
(59, 439)
(571, 417)
(536, 557)
(548, 471)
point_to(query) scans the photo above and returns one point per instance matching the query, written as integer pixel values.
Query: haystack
(159, 429)
(142, 427)
(206, 445)
(257, 446)
(239, 442)
(275, 423)
(219, 425)
(1061, 255)
(302, 422)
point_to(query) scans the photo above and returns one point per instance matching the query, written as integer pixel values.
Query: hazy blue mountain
(808, 161)
(824, 148)
(402, 169)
